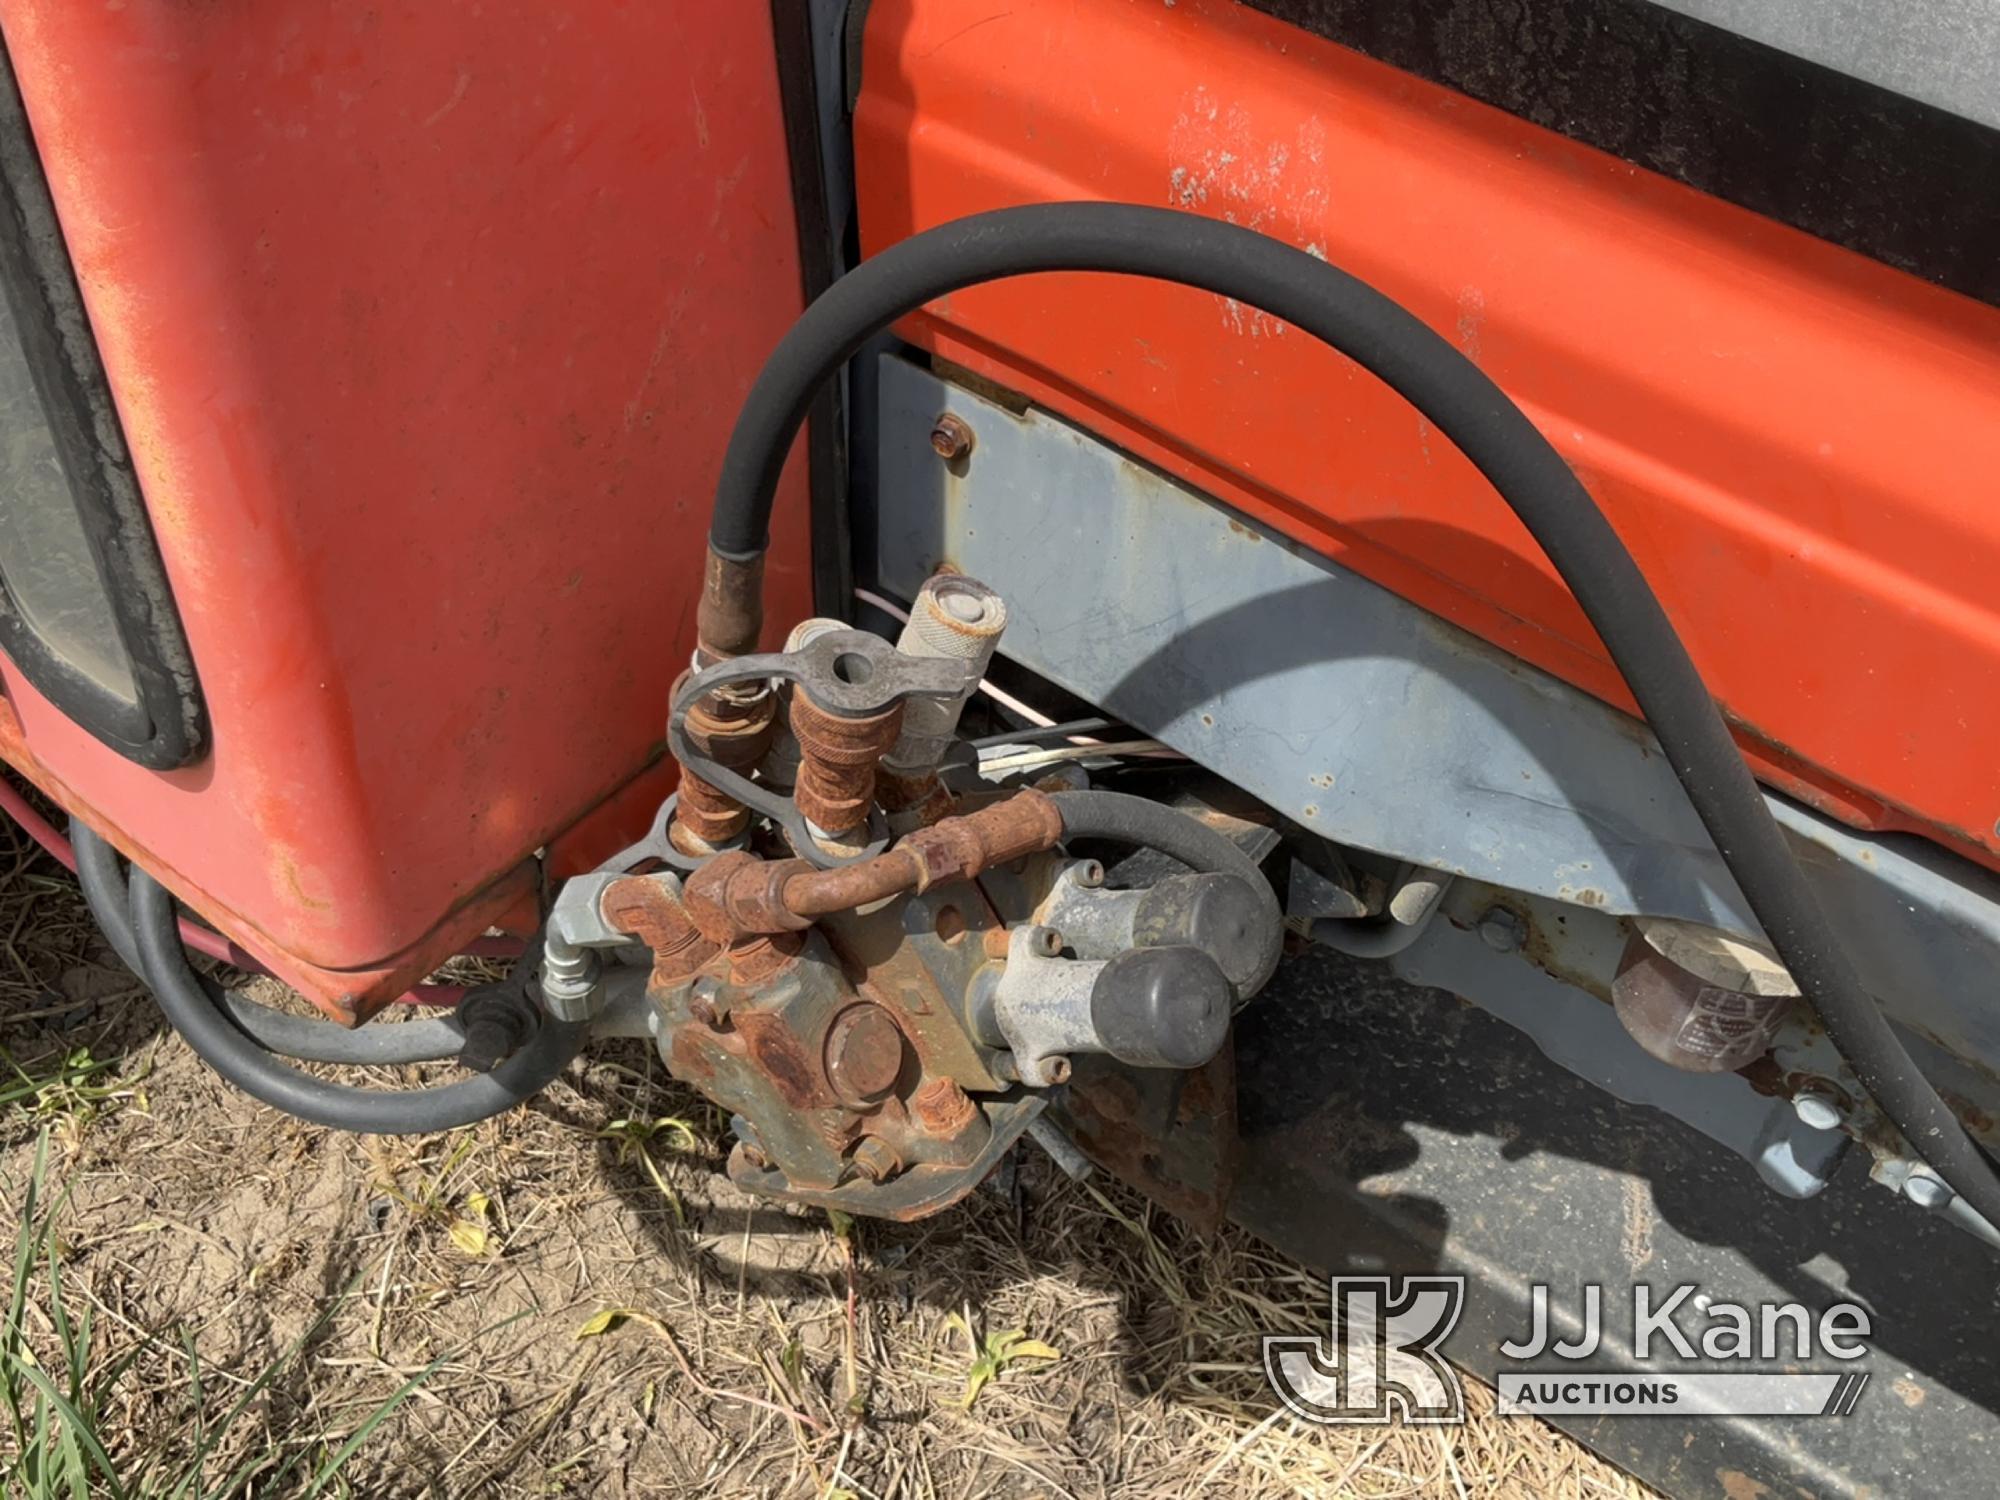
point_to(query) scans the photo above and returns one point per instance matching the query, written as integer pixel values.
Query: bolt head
(1927, 1191)
(876, 1160)
(951, 438)
(1501, 930)
(704, 1001)
(864, 1053)
(1818, 1108)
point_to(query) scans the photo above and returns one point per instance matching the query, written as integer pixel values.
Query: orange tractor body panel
(426, 332)
(1797, 443)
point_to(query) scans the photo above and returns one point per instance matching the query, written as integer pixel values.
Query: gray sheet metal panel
(1582, 1033)
(1942, 52)
(1365, 719)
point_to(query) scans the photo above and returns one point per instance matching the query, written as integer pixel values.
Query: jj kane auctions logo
(1382, 1358)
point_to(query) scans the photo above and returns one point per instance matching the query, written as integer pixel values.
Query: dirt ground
(594, 1311)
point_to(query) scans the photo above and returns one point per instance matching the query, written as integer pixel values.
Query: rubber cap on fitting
(1161, 1007)
(1216, 913)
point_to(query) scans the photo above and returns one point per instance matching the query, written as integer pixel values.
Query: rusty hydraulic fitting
(738, 895)
(730, 616)
(780, 766)
(913, 801)
(755, 961)
(942, 1107)
(957, 848)
(837, 760)
(733, 727)
(652, 914)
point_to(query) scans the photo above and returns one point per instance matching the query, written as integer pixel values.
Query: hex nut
(951, 437)
(1927, 1191)
(863, 1054)
(876, 1160)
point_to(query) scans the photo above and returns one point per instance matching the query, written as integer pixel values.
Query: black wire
(205, 1028)
(108, 895)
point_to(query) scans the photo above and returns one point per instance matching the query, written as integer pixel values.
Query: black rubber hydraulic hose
(108, 896)
(1490, 430)
(217, 1041)
(1134, 821)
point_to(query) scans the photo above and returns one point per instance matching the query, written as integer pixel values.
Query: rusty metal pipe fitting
(951, 849)
(730, 616)
(656, 917)
(912, 801)
(732, 726)
(837, 760)
(736, 896)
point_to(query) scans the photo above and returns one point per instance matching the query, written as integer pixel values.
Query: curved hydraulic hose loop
(164, 966)
(107, 895)
(1489, 429)
(1135, 821)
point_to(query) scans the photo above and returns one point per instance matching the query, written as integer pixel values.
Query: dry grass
(585, 1333)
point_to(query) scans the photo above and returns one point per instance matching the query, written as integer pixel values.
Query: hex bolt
(1927, 1191)
(748, 1142)
(1819, 1106)
(876, 1160)
(951, 437)
(942, 1107)
(863, 1054)
(703, 1001)
(1501, 930)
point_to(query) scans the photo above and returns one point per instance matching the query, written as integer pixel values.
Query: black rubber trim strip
(1843, 159)
(1490, 430)
(168, 726)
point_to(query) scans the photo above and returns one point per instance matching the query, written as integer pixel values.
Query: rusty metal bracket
(1171, 1135)
(919, 1192)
